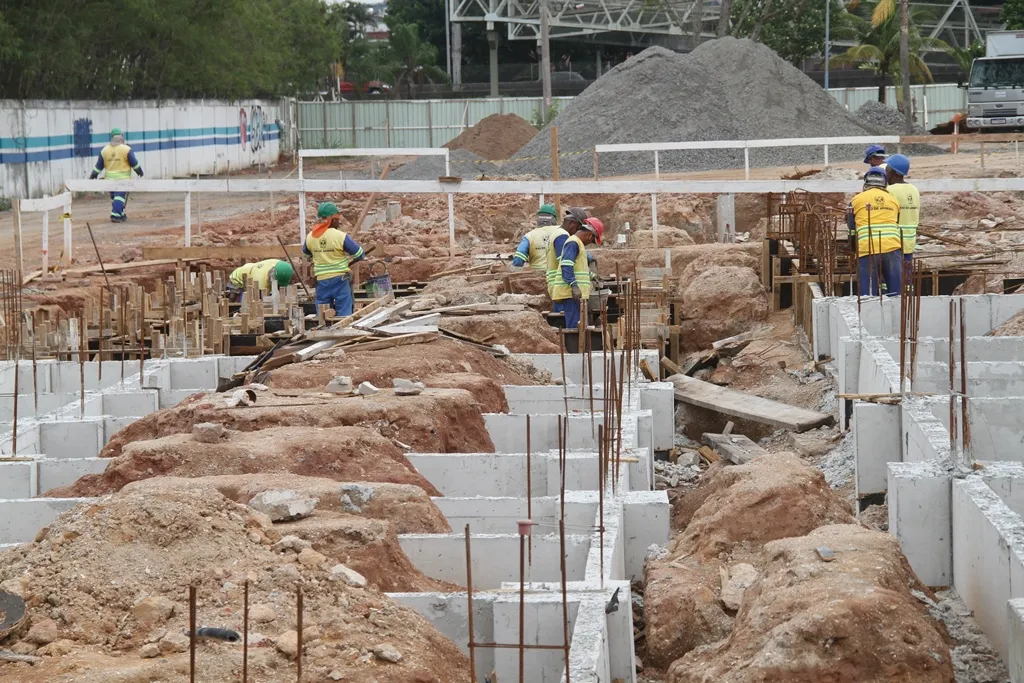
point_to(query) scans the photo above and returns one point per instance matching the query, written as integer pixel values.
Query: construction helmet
(899, 163)
(548, 209)
(115, 131)
(577, 214)
(875, 177)
(873, 151)
(595, 226)
(326, 210)
(283, 272)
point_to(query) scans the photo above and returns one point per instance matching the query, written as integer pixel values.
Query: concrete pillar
(492, 43)
(598, 55)
(456, 56)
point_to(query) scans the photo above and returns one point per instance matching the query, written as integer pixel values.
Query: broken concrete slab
(367, 389)
(736, 448)
(746, 406)
(406, 387)
(340, 385)
(283, 506)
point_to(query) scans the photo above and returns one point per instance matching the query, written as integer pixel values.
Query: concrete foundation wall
(21, 519)
(877, 433)
(920, 517)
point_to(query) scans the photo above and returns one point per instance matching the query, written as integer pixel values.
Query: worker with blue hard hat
(874, 156)
(897, 168)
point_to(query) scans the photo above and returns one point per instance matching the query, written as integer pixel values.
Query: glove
(590, 259)
(94, 175)
(576, 293)
(140, 172)
(513, 267)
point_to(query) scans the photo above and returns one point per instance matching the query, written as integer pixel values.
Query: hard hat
(283, 272)
(115, 131)
(548, 209)
(576, 213)
(875, 177)
(326, 210)
(872, 151)
(595, 226)
(899, 163)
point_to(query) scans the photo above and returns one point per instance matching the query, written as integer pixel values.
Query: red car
(370, 88)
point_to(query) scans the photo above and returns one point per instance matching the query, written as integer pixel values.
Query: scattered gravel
(974, 659)
(726, 89)
(464, 163)
(838, 465)
(670, 475)
(887, 119)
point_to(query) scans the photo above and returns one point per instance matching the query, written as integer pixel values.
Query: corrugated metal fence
(432, 123)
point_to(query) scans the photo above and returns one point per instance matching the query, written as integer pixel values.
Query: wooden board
(258, 251)
(735, 448)
(746, 406)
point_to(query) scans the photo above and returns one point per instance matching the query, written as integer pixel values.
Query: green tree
(415, 60)
(795, 29)
(1012, 14)
(964, 57)
(878, 48)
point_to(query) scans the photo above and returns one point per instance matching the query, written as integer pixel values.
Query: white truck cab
(995, 90)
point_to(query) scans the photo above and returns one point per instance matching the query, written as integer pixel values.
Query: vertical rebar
(35, 374)
(600, 495)
(82, 328)
(522, 606)
(964, 422)
(561, 462)
(192, 634)
(245, 633)
(952, 381)
(561, 353)
(469, 594)
(14, 424)
(298, 631)
(529, 484)
(565, 599)
(124, 311)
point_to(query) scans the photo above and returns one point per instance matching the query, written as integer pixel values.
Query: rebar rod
(469, 595)
(529, 484)
(245, 633)
(964, 421)
(192, 634)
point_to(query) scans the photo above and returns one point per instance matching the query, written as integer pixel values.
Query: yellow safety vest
(884, 232)
(329, 257)
(115, 161)
(259, 271)
(560, 290)
(539, 239)
(553, 270)
(910, 213)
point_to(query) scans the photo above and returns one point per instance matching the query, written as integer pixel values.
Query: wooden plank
(709, 455)
(403, 340)
(233, 253)
(735, 448)
(383, 315)
(671, 367)
(746, 406)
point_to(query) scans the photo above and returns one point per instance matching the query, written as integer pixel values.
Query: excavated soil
(344, 454)
(495, 137)
(720, 302)
(105, 579)
(522, 332)
(408, 508)
(805, 621)
(436, 421)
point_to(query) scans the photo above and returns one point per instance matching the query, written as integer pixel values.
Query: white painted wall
(45, 143)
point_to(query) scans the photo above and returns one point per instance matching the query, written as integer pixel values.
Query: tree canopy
(1012, 14)
(795, 29)
(120, 49)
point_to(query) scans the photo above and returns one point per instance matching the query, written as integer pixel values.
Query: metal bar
(192, 634)
(965, 424)
(245, 633)
(565, 599)
(469, 594)
(512, 646)
(529, 484)
(14, 424)
(298, 631)
(522, 605)
(952, 384)
(600, 494)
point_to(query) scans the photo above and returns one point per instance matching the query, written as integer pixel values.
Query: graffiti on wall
(251, 128)
(82, 140)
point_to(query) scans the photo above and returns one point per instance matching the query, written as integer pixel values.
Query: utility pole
(908, 113)
(448, 37)
(545, 55)
(828, 37)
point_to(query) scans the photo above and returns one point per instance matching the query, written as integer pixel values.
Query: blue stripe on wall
(27, 143)
(21, 157)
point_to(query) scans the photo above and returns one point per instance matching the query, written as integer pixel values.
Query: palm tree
(415, 60)
(878, 47)
(964, 57)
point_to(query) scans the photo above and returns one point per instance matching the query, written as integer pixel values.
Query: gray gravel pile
(726, 89)
(884, 118)
(464, 163)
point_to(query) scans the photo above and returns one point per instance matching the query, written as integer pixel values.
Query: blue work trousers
(118, 202)
(336, 292)
(572, 312)
(888, 265)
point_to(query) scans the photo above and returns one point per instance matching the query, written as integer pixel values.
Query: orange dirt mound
(521, 332)
(497, 136)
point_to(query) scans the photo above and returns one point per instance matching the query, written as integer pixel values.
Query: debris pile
(495, 137)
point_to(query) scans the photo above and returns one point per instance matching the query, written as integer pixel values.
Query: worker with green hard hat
(534, 245)
(118, 160)
(333, 252)
(260, 272)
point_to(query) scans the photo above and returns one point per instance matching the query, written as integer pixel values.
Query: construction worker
(573, 281)
(896, 169)
(873, 218)
(118, 160)
(333, 252)
(574, 217)
(260, 272)
(875, 156)
(533, 247)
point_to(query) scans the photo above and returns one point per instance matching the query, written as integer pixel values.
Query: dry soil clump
(497, 136)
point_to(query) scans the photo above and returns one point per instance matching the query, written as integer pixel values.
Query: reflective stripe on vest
(539, 239)
(883, 234)
(328, 250)
(115, 161)
(553, 270)
(581, 269)
(910, 213)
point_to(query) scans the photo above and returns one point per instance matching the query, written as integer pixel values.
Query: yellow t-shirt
(910, 213)
(259, 271)
(877, 231)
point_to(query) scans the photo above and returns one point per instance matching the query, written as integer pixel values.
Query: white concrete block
(920, 518)
(660, 399)
(449, 614)
(71, 439)
(17, 479)
(645, 520)
(543, 625)
(56, 473)
(197, 374)
(876, 433)
(483, 474)
(21, 519)
(1015, 639)
(130, 403)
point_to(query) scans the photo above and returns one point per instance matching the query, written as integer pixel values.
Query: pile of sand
(495, 137)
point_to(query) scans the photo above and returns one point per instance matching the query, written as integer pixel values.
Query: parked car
(370, 88)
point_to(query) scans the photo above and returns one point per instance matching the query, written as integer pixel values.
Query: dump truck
(995, 90)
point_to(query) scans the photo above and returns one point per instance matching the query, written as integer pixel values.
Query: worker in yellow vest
(260, 272)
(898, 168)
(118, 160)
(333, 252)
(533, 247)
(572, 283)
(873, 219)
(574, 217)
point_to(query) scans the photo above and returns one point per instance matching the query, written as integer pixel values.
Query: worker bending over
(896, 169)
(333, 252)
(118, 160)
(533, 247)
(260, 272)
(574, 217)
(873, 218)
(572, 283)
